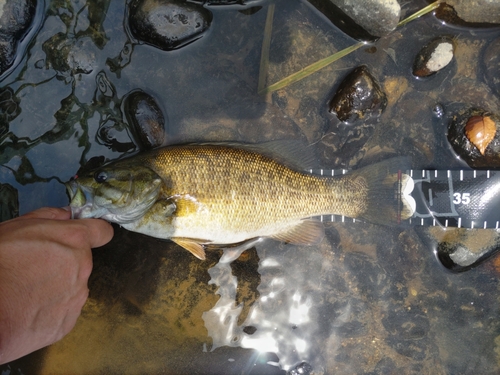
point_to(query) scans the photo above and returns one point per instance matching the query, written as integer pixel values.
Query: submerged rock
(474, 135)
(478, 13)
(146, 119)
(364, 20)
(167, 24)
(433, 57)
(491, 59)
(16, 19)
(359, 96)
(460, 249)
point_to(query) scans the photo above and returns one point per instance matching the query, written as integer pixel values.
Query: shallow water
(368, 299)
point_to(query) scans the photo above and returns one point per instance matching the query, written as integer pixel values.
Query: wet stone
(477, 145)
(491, 59)
(167, 24)
(9, 202)
(359, 96)
(460, 249)
(16, 19)
(478, 13)
(146, 119)
(367, 20)
(435, 56)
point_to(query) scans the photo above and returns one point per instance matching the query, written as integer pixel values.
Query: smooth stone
(460, 249)
(16, 19)
(167, 24)
(146, 119)
(491, 60)
(359, 96)
(478, 13)
(433, 57)
(362, 20)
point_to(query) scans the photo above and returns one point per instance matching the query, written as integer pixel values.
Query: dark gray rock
(16, 19)
(167, 24)
(364, 20)
(146, 119)
(359, 96)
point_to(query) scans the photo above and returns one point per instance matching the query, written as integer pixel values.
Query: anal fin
(307, 232)
(191, 245)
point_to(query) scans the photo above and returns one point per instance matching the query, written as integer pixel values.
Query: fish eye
(100, 176)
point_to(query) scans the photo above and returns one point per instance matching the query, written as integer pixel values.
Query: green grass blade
(313, 68)
(266, 45)
(420, 13)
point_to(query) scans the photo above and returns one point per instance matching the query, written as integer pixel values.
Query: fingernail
(66, 208)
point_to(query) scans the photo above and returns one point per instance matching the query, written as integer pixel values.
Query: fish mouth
(79, 204)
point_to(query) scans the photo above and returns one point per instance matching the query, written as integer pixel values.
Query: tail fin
(388, 201)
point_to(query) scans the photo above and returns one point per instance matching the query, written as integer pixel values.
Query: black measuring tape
(457, 198)
(447, 198)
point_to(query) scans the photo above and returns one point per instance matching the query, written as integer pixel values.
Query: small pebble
(433, 57)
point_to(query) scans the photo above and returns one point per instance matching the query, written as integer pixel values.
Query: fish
(220, 194)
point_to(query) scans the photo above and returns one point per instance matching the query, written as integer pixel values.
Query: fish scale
(223, 194)
(271, 182)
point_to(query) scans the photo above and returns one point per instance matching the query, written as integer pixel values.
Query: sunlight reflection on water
(282, 315)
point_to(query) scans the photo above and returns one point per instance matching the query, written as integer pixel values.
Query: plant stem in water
(313, 68)
(266, 44)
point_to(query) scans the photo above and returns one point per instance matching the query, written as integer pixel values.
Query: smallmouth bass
(220, 194)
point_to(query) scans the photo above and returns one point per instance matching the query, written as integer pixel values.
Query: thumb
(100, 231)
(48, 213)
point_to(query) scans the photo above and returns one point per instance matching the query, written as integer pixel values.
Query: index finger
(52, 213)
(100, 231)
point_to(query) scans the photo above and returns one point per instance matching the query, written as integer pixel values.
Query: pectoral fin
(192, 246)
(307, 232)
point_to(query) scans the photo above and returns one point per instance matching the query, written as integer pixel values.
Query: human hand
(45, 263)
